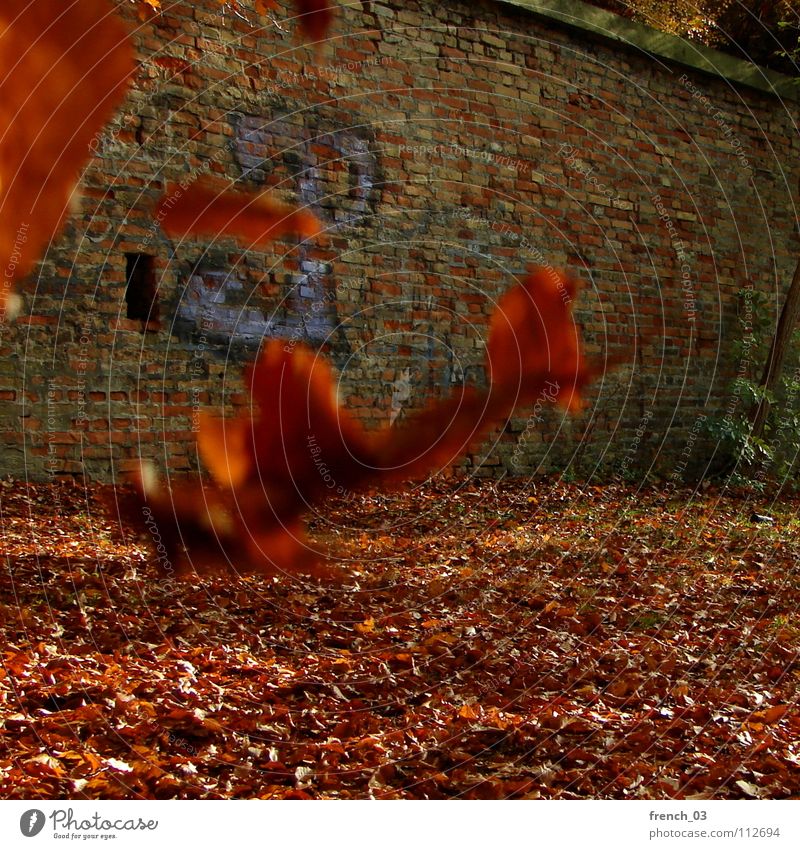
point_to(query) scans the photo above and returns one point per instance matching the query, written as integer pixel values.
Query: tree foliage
(766, 33)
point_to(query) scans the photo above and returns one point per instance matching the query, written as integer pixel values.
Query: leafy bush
(752, 460)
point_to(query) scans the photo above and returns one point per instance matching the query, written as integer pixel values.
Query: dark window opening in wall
(141, 293)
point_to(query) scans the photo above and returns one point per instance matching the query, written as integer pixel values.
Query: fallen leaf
(365, 627)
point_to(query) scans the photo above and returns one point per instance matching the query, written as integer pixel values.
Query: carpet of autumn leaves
(511, 640)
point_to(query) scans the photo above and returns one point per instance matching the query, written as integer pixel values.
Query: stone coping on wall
(583, 17)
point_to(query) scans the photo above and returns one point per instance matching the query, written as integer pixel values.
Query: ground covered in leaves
(517, 640)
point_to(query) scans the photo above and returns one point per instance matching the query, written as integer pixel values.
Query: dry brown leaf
(211, 207)
(64, 69)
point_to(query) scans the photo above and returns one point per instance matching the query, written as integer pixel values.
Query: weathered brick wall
(444, 150)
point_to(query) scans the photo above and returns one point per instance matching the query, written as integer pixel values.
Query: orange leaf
(533, 352)
(316, 17)
(208, 529)
(435, 437)
(776, 713)
(64, 69)
(223, 447)
(534, 344)
(305, 445)
(210, 207)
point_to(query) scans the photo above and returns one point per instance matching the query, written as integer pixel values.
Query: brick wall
(444, 150)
